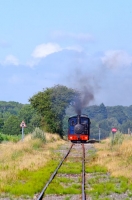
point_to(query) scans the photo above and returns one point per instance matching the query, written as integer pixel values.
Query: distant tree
(1, 124)
(102, 111)
(26, 113)
(12, 126)
(6, 115)
(94, 130)
(96, 112)
(36, 120)
(118, 113)
(124, 127)
(52, 104)
(11, 107)
(128, 112)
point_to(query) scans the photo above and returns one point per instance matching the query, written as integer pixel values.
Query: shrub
(38, 133)
(117, 138)
(1, 138)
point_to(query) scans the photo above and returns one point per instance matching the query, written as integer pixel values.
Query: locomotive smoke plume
(84, 86)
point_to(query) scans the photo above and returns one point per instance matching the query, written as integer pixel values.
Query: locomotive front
(79, 128)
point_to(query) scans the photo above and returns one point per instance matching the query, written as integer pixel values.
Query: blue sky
(45, 42)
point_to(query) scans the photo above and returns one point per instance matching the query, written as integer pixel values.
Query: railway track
(75, 150)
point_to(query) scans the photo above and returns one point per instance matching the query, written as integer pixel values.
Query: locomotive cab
(79, 128)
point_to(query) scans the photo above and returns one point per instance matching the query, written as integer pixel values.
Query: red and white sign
(114, 130)
(23, 124)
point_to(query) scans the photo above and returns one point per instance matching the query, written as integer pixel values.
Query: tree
(1, 124)
(118, 113)
(51, 104)
(12, 126)
(26, 113)
(125, 126)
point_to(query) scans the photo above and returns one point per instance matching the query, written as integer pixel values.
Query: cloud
(82, 37)
(10, 59)
(44, 50)
(116, 59)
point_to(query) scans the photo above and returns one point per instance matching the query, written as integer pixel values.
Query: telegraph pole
(99, 133)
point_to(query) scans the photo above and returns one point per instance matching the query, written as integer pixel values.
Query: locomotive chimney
(79, 119)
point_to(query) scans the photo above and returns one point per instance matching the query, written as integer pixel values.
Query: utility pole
(99, 133)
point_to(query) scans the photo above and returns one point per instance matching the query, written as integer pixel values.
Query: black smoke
(85, 88)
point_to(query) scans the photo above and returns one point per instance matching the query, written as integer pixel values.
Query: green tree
(35, 120)
(118, 113)
(1, 124)
(30, 116)
(124, 127)
(12, 126)
(26, 113)
(96, 112)
(11, 107)
(51, 104)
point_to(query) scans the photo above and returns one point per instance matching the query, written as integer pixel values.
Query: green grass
(71, 168)
(30, 182)
(94, 168)
(58, 188)
(12, 138)
(103, 185)
(65, 185)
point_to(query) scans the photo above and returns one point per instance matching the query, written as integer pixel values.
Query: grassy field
(117, 158)
(26, 165)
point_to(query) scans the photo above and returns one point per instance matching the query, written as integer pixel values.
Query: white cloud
(44, 50)
(10, 59)
(116, 58)
(33, 62)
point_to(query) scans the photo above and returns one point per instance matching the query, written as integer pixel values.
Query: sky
(75, 43)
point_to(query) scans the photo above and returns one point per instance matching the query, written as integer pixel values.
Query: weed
(95, 168)
(16, 154)
(38, 133)
(71, 168)
(109, 185)
(67, 198)
(117, 138)
(30, 182)
(37, 144)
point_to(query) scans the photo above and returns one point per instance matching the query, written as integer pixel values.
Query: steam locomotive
(79, 128)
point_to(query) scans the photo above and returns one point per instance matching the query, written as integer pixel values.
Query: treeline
(13, 113)
(46, 110)
(107, 117)
(51, 108)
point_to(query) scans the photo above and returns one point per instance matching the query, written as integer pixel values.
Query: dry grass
(117, 158)
(29, 154)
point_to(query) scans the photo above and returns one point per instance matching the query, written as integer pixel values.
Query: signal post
(23, 125)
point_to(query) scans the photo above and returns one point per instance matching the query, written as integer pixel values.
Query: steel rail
(53, 175)
(83, 174)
